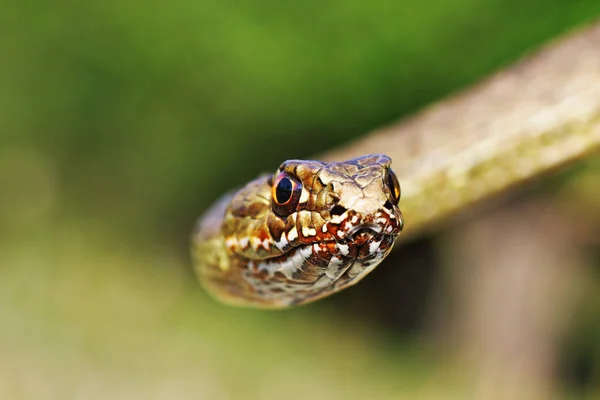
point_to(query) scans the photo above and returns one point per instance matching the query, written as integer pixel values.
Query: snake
(307, 231)
(314, 228)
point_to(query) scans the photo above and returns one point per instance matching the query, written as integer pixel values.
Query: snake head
(312, 228)
(352, 204)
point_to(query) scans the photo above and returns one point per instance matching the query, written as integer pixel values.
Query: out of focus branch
(514, 278)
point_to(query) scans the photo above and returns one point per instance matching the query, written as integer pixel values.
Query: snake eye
(392, 182)
(285, 194)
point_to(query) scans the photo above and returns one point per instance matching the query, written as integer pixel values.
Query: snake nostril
(338, 210)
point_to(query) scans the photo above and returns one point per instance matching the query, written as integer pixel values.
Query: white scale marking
(292, 235)
(388, 212)
(373, 247)
(266, 244)
(306, 251)
(288, 267)
(256, 242)
(308, 231)
(282, 243)
(304, 196)
(344, 249)
(336, 219)
(231, 242)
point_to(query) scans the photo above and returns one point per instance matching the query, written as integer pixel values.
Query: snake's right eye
(393, 185)
(285, 194)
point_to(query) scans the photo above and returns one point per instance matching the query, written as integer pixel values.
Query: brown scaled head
(311, 229)
(350, 201)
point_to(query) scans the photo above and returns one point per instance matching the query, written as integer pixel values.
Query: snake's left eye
(392, 182)
(285, 194)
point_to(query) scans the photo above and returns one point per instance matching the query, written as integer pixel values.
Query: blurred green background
(121, 121)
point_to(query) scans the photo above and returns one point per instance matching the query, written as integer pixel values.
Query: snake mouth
(323, 266)
(362, 235)
(362, 243)
(351, 248)
(366, 227)
(365, 233)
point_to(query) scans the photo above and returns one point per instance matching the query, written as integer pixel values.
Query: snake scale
(316, 227)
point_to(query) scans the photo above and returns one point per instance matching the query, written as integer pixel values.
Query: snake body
(308, 231)
(517, 125)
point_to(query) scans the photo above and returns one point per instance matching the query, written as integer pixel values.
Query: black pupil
(283, 192)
